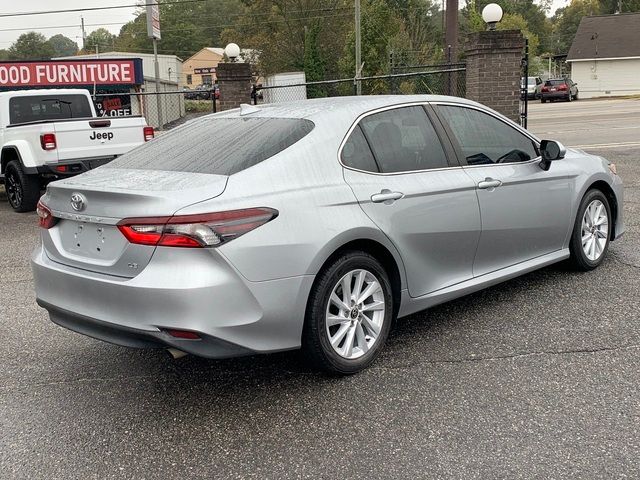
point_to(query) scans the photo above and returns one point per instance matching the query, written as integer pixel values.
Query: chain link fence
(449, 79)
(163, 109)
(168, 109)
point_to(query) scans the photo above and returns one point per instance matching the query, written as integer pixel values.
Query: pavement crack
(475, 359)
(617, 258)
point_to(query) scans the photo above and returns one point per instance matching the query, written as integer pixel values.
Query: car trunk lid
(90, 206)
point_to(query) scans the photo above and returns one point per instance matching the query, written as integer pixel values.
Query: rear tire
(349, 314)
(542, 100)
(23, 191)
(591, 232)
(570, 97)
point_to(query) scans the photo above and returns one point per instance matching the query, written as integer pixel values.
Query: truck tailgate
(98, 137)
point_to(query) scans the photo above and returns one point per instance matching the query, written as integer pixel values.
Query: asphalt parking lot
(535, 378)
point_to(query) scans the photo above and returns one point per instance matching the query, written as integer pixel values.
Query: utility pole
(358, 51)
(451, 30)
(84, 35)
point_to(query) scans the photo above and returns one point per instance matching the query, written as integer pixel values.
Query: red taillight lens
(562, 87)
(183, 334)
(48, 141)
(148, 133)
(193, 231)
(544, 89)
(45, 219)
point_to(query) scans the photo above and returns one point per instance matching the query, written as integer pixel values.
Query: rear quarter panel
(318, 212)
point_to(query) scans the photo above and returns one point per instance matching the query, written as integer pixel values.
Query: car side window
(356, 152)
(486, 140)
(403, 140)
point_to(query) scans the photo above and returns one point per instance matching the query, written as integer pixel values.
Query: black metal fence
(448, 79)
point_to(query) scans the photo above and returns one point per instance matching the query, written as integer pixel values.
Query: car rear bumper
(73, 167)
(180, 289)
(554, 95)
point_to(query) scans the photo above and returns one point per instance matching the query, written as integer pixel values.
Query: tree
(566, 21)
(30, 46)
(313, 64)
(4, 54)
(63, 46)
(101, 38)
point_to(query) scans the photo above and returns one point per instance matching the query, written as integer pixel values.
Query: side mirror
(551, 150)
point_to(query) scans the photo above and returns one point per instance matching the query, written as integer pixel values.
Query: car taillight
(544, 89)
(48, 141)
(195, 231)
(148, 134)
(45, 219)
(562, 87)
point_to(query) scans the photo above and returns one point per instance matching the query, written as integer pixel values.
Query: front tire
(23, 191)
(349, 314)
(591, 231)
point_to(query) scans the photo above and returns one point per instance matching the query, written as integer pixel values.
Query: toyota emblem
(78, 202)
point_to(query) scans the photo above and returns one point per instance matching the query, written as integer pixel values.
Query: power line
(89, 9)
(50, 27)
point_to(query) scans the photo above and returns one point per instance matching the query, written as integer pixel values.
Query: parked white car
(51, 134)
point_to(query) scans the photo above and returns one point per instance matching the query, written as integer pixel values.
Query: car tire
(23, 191)
(359, 337)
(570, 97)
(542, 100)
(591, 231)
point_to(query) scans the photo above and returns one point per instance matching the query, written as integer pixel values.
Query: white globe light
(492, 14)
(232, 51)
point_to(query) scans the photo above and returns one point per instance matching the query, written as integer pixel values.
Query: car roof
(45, 91)
(337, 106)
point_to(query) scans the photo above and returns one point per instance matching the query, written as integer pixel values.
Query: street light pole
(358, 51)
(157, 73)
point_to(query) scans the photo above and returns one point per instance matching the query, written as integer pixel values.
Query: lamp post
(492, 14)
(232, 51)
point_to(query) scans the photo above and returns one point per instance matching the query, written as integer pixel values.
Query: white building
(605, 55)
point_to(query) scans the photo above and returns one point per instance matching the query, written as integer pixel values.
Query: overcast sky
(117, 17)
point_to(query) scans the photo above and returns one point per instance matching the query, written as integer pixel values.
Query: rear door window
(356, 152)
(36, 108)
(221, 146)
(403, 140)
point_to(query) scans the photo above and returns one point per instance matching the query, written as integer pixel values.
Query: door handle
(386, 196)
(489, 183)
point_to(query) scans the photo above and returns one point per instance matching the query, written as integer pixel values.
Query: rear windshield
(549, 83)
(221, 146)
(37, 108)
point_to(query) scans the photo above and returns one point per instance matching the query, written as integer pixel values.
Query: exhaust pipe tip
(176, 354)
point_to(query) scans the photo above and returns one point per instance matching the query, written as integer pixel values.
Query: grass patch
(198, 106)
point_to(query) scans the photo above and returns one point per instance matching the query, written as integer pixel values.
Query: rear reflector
(148, 133)
(48, 141)
(184, 334)
(62, 168)
(45, 219)
(195, 231)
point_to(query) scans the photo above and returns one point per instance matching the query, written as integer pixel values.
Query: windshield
(221, 146)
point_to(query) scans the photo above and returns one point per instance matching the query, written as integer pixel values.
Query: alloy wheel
(355, 314)
(14, 189)
(595, 230)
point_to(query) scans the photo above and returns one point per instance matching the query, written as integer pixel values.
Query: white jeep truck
(50, 134)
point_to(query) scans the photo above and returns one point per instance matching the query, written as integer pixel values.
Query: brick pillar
(234, 80)
(494, 70)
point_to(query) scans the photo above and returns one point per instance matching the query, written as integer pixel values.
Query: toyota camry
(314, 225)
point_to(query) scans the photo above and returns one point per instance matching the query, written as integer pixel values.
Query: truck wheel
(23, 191)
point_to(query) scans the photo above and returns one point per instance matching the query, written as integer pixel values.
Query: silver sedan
(314, 224)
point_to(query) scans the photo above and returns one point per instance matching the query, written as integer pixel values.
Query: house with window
(200, 68)
(605, 55)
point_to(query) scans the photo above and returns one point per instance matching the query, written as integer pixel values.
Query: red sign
(43, 74)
